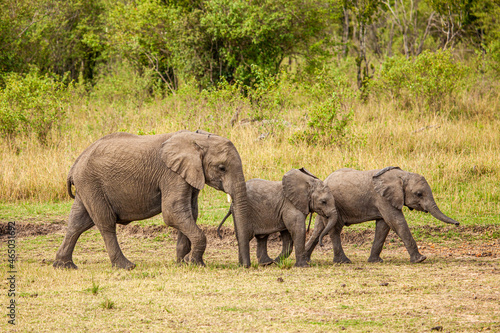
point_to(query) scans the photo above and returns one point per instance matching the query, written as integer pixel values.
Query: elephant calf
(378, 195)
(283, 206)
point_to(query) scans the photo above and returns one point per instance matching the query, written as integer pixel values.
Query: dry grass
(459, 293)
(459, 157)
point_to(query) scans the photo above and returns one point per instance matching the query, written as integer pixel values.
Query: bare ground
(475, 246)
(454, 290)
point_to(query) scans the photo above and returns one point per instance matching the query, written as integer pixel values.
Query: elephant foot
(418, 259)
(124, 264)
(189, 260)
(198, 263)
(375, 259)
(343, 260)
(307, 256)
(194, 261)
(266, 262)
(64, 264)
(302, 264)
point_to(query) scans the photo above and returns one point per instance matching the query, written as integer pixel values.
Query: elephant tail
(310, 218)
(222, 222)
(69, 182)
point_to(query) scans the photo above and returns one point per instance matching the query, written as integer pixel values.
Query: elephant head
(204, 158)
(309, 194)
(402, 188)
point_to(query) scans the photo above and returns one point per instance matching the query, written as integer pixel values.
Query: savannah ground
(456, 288)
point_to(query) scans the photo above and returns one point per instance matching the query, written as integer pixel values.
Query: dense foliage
(425, 54)
(213, 40)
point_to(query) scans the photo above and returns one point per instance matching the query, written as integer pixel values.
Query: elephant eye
(222, 168)
(419, 194)
(323, 201)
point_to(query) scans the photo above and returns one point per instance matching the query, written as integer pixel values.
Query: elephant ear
(297, 189)
(183, 155)
(389, 184)
(304, 170)
(199, 131)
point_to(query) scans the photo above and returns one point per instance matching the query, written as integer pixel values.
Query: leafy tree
(55, 36)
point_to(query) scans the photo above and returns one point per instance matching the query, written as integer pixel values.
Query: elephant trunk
(436, 212)
(332, 222)
(241, 219)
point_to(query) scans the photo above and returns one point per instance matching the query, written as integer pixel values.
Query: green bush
(424, 82)
(328, 124)
(331, 109)
(493, 57)
(32, 103)
(124, 85)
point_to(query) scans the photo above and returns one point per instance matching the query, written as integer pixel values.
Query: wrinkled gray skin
(123, 177)
(282, 207)
(378, 195)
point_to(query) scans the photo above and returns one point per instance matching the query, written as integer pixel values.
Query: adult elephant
(123, 177)
(377, 195)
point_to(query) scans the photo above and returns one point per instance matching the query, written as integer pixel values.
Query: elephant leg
(183, 247)
(108, 232)
(398, 223)
(381, 231)
(105, 219)
(183, 243)
(287, 246)
(296, 226)
(319, 225)
(262, 255)
(79, 221)
(197, 239)
(180, 214)
(338, 252)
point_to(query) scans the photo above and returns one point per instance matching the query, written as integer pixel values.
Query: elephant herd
(123, 177)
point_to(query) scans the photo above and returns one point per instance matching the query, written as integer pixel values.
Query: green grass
(48, 211)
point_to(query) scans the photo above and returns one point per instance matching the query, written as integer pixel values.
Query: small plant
(327, 125)
(107, 304)
(95, 288)
(285, 263)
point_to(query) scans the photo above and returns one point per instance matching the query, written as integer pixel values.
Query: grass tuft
(107, 304)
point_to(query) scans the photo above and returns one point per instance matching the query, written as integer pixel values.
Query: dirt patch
(475, 248)
(23, 229)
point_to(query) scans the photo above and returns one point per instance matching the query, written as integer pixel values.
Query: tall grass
(457, 152)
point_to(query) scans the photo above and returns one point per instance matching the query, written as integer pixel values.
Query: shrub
(269, 94)
(330, 116)
(425, 82)
(327, 125)
(32, 103)
(123, 85)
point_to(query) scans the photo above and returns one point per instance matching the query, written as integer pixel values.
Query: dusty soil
(475, 247)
